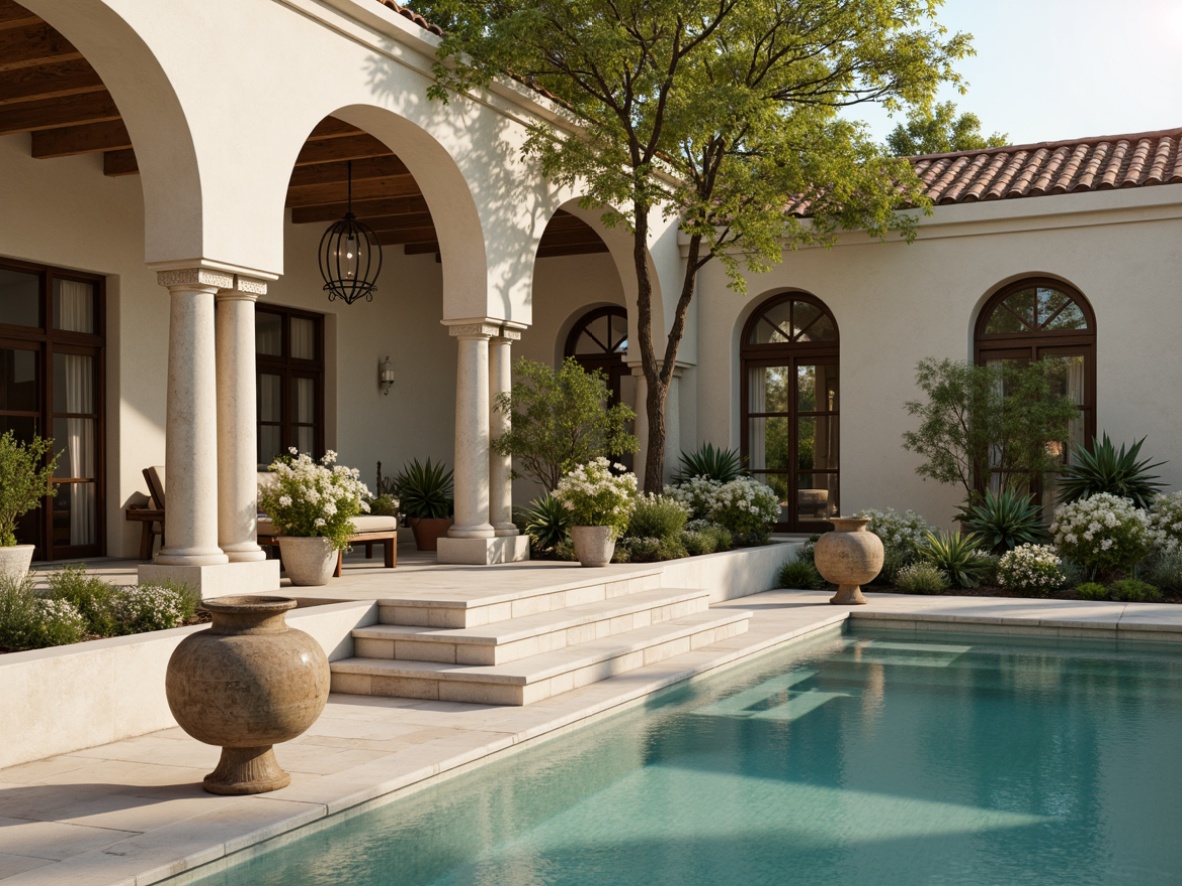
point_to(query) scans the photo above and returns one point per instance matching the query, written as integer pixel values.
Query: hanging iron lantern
(350, 256)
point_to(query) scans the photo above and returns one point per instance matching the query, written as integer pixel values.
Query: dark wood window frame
(46, 342)
(289, 369)
(610, 360)
(1035, 344)
(788, 354)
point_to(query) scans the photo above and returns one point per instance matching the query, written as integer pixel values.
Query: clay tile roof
(1093, 164)
(413, 16)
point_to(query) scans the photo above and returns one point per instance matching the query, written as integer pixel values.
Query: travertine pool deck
(133, 812)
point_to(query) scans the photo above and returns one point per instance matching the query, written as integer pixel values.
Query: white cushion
(363, 523)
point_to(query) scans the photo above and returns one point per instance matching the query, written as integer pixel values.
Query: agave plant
(547, 522)
(1005, 520)
(958, 556)
(1107, 469)
(719, 464)
(425, 490)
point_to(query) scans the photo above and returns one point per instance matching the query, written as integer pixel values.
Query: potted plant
(600, 504)
(25, 473)
(425, 498)
(312, 506)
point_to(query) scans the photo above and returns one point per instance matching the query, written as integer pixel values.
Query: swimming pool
(875, 757)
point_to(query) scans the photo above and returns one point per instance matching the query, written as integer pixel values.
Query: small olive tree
(1000, 418)
(560, 419)
(25, 473)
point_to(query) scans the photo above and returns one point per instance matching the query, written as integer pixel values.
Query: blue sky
(1060, 69)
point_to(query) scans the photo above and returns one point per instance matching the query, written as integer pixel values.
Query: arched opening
(790, 406)
(1045, 319)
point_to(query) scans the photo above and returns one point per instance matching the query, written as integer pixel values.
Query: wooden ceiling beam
(116, 163)
(421, 248)
(13, 15)
(372, 189)
(54, 80)
(34, 44)
(370, 167)
(560, 251)
(363, 209)
(425, 234)
(383, 223)
(338, 150)
(88, 139)
(331, 127)
(54, 113)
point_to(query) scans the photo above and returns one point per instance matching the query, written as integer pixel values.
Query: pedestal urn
(848, 557)
(246, 683)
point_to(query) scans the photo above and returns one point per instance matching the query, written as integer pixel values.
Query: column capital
(511, 331)
(244, 289)
(473, 330)
(195, 278)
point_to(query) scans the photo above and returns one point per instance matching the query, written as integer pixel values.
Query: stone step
(505, 641)
(540, 676)
(453, 609)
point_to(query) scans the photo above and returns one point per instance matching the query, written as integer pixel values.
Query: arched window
(1044, 319)
(789, 393)
(600, 341)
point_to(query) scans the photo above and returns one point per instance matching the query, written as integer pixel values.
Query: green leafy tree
(939, 131)
(26, 470)
(980, 420)
(719, 112)
(559, 419)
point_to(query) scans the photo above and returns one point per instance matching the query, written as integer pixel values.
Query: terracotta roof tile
(1094, 164)
(413, 16)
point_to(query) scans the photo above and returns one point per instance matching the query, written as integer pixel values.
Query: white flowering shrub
(1165, 522)
(597, 497)
(1031, 569)
(307, 499)
(57, 622)
(747, 508)
(898, 532)
(698, 494)
(149, 608)
(1102, 534)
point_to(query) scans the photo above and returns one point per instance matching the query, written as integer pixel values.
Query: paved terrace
(133, 812)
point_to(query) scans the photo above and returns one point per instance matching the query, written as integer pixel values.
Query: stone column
(472, 432)
(501, 466)
(190, 451)
(236, 421)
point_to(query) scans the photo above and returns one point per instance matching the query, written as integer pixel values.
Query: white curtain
(303, 339)
(76, 313)
(1075, 390)
(757, 402)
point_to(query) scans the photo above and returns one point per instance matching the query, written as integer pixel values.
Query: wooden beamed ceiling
(47, 89)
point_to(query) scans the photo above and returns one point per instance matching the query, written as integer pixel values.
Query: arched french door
(599, 340)
(790, 405)
(1044, 319)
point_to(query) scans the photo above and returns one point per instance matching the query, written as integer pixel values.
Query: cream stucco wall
(897, 303)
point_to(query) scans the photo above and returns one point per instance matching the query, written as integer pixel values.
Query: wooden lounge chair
(152, 515)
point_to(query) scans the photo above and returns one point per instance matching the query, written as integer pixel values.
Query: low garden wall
(731, 574)
(65, 698)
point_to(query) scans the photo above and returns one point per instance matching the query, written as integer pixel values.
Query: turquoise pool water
(877, 757)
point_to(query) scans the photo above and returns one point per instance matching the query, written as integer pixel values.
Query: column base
(502, 530)
(259, 577)
(483, 551)
(244, 552)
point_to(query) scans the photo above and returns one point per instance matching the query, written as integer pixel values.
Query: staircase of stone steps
(521, 647)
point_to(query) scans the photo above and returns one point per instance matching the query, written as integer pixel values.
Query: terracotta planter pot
(245, 684)
(848, 557)
(15, 560)
(308, 562)
(428, 531)
(594, 545)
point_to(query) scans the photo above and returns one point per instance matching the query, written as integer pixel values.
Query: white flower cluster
(1102, 532)
(898, 532)
(744, 506)
(597, 497)
(148, 608)
(61, 612)
(1031, 569)
(1165, 522)
(308, 499)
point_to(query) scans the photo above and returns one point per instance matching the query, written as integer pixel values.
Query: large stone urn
(308, 561)
(245, 684)
(848, 557)
(15, 560)
(594, 545)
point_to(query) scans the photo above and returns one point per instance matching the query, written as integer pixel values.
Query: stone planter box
(66, 698)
